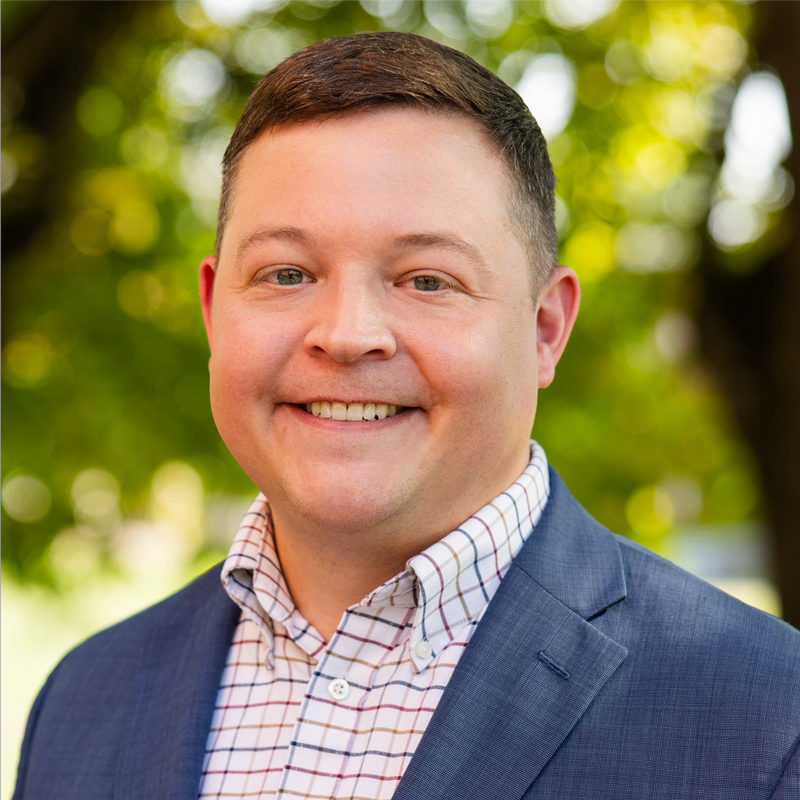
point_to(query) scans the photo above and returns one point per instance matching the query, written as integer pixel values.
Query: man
(421, 610)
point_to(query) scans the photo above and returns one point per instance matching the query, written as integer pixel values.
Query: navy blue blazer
(599, 671)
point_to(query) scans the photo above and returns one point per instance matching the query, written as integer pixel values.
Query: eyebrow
(410, 241)
(444, 241)
(282, 234)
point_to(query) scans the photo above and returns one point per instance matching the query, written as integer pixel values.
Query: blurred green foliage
(108, 435)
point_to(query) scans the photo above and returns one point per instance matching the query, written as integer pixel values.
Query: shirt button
(338, 689)
(423, 649)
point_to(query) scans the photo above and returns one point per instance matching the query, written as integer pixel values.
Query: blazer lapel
(175, 695)
(532, 667)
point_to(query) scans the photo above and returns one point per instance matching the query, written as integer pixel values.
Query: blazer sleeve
(30, 732)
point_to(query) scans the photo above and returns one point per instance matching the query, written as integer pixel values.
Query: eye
(287, 276)
(283, 276)
(428, 283)
(431, 283)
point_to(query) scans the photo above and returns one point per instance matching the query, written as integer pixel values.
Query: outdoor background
(673, 416)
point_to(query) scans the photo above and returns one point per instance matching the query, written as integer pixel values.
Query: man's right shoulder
(127, 683)
(171, 613)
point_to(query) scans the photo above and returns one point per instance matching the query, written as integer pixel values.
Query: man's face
(370, 260)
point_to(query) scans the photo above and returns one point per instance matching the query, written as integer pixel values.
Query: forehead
(410, 152)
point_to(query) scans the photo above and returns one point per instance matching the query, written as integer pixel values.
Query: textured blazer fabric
(598, 671)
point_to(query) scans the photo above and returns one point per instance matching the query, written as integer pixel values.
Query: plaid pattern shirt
(298, 717)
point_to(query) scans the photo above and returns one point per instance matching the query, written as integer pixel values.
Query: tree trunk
(50, 51)
(750, 330)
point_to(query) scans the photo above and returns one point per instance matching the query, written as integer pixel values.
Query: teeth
(354, 412)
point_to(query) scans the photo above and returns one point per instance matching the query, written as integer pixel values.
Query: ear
(208, 271)
(555, 316)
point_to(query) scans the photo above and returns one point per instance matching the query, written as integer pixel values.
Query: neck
(329, 571)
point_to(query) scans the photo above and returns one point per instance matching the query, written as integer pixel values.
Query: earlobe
(208, 271)
(555, 316)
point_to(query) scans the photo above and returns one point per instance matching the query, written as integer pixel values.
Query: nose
(350, 324)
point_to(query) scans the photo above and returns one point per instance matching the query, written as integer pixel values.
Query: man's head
(370, 259)
(364, 72)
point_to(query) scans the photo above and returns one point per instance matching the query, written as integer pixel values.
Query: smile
(352, 412)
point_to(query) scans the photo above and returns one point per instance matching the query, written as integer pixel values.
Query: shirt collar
(458, 575)
(450, 583)
(253, 578)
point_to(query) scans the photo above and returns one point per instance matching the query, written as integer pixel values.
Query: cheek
(228, 393)
(485, 370)
(244, 362)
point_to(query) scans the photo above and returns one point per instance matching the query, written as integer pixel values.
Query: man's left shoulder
(663, 597)
(620, 585)
(694, 678)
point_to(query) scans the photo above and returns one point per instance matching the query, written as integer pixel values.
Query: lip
(348, 402)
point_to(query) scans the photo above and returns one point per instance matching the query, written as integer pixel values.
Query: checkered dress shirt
(296, 717)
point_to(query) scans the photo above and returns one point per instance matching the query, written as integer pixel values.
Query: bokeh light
(575, 14)
(751, 182)
(548, 88)
(26, 498)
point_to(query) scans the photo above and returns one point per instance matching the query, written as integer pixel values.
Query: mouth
(351, 412)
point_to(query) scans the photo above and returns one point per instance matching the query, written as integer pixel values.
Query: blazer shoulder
(635, 596)
(644, 567)
(173, 612)
(670, 602)
(595, 571)
(168, 657)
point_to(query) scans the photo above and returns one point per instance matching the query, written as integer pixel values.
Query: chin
(348, 510)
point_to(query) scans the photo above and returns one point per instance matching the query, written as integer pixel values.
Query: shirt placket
(326, 735)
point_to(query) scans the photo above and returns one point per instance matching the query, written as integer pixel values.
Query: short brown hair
(371, 70)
